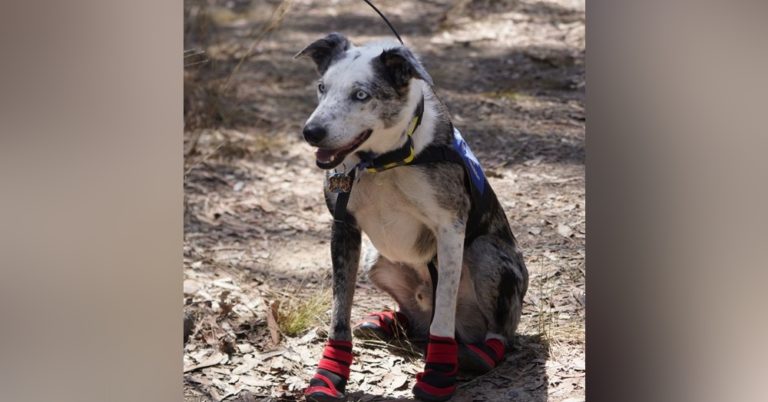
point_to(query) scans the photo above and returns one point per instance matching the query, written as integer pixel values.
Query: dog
(399, 171)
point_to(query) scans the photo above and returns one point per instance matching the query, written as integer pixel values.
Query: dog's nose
(314, 134)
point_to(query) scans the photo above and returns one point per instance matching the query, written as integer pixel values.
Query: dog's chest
(394, 212)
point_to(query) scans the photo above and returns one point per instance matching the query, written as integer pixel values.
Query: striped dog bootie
(481, 357)
(437, 382)
(383, 325)
(332, 373)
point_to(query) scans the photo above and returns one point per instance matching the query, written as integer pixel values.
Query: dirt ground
(257, 229)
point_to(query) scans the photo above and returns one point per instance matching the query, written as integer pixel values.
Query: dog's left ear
(324, 51)
(401, 65)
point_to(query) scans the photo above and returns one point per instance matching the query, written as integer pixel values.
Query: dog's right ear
(325, 51)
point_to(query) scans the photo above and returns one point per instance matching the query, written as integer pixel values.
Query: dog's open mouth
(330, 158)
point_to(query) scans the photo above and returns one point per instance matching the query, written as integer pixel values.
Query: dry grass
(402, 347)
(205, 105)
(545, 319)
(297, 314)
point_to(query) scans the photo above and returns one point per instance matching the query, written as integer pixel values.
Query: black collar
(397, 157)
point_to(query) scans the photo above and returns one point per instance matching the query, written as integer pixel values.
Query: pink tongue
(324, 155)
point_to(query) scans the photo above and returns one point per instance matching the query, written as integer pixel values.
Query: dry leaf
(254, 382)
(564, 230)
(191, 286)
(244, 368)
(394, 381)
(267, 206)
(268, 355)
(215, 359)
(274, 329)
(244, 348)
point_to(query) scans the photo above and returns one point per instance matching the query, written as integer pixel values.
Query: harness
(457, 152)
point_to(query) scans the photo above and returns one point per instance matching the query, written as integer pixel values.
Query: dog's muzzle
(327, 158)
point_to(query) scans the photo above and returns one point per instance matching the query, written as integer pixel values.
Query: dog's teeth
(324, 155)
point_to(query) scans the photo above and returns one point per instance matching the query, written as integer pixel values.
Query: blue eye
(361, 95)
(321, 88)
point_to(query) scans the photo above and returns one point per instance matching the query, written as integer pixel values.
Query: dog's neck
(395, 137)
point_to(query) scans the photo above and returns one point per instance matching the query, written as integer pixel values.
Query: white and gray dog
(400, 172)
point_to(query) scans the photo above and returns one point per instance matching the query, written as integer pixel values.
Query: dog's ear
(400, 65)
(324, 51)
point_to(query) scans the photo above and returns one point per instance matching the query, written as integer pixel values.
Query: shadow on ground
(521, 377)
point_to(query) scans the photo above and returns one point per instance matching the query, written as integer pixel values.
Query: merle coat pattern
(412, 214)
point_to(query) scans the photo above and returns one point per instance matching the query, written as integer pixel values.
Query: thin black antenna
(385, 20)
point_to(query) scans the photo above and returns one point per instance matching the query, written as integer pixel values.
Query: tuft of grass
(545, 317)
(545, 322)
(299, 314)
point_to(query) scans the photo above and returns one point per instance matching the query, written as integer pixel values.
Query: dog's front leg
(438, 381)
(333, 370)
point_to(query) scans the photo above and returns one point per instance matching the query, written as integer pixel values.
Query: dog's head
(366, 96)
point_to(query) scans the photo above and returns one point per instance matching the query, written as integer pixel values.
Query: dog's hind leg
(333, 370)
(409, 288)
(501, 280)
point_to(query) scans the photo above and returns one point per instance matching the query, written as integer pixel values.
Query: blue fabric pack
(470, 161)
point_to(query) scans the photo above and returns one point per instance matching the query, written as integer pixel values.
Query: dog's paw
(323, 394)
(481, 357)
(435, 386)
(438, 381)
(332, 373)
(384, 326)
(326, 386)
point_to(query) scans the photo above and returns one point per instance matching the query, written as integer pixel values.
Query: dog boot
(438, 381)
(481, 357)
(384, 325)
(332, 373)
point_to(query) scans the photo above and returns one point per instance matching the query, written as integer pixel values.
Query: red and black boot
(383, 325)
(481, 357)
(438, 381)
(332, 373)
